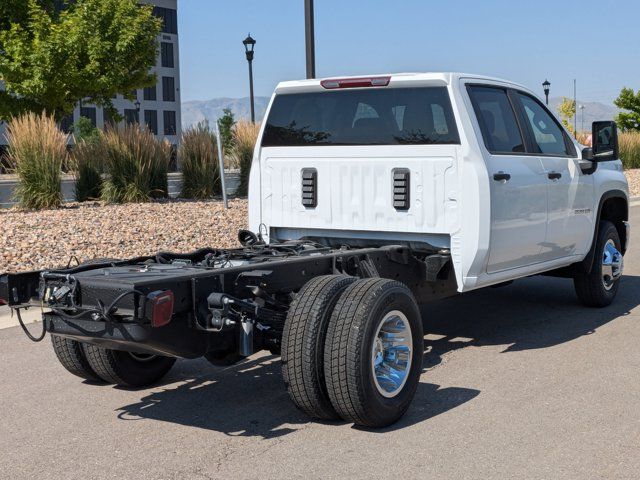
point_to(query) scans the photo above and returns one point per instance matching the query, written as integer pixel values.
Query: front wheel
(598, 287)
(373, 352)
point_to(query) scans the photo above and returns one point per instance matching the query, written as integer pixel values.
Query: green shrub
(88, 166)
(137, 164)
(199, 162)
(245, 135)
(630, 149)
(84, 131)
(37, 152)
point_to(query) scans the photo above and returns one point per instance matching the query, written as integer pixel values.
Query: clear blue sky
(596, 42)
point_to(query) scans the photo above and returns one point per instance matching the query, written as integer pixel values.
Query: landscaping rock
(33, 240)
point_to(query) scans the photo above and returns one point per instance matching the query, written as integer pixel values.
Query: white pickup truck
(368, 196)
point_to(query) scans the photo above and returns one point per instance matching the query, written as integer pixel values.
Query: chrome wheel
(391, 353)
(612, 264)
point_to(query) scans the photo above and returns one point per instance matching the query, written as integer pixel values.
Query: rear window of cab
(370, 116)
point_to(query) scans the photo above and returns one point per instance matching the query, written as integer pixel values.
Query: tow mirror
(605, 141)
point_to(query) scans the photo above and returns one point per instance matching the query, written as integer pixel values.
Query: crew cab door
(518, 184)
(569, 191)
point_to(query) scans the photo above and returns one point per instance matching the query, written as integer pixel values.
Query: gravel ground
(31, 240)
(35, 240)
(633, 177)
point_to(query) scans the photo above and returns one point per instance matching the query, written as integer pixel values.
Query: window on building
(169, 122)
(168, 89)
(90, 113)
(169, 19)
(150, 93)
(66, 123)
(130, 116)
(107, 119)
(166, 54)
(151, 120)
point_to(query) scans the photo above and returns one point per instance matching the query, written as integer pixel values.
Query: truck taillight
(161, 304)
(2, 302)
(332, 83)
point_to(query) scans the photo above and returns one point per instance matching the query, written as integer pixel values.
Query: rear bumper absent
(175, 339)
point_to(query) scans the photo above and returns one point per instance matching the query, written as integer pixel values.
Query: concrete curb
(8, 183)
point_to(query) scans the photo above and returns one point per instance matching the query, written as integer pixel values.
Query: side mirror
(604, 141)
(587, 154)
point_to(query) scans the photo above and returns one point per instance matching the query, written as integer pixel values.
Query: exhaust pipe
(245, 342)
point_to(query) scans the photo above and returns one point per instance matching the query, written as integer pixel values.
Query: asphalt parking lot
(519, 382)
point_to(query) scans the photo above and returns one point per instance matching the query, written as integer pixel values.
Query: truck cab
(474, 165)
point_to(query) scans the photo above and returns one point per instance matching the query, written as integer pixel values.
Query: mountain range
(199, 110)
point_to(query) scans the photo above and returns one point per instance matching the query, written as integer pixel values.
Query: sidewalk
(29, 316)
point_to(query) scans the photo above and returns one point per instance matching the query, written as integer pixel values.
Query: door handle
(554, 175)
(500, 176)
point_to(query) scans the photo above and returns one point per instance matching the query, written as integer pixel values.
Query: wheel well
(616, 211)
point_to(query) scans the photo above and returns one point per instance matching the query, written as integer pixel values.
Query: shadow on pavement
(249, 399)
(532, 313)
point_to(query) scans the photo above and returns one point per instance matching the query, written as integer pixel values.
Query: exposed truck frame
(248, 306)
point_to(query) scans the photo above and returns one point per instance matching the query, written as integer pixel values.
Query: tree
(226, 123)
(17, 11)
(628, 100)
(50, 58)
(567, 110)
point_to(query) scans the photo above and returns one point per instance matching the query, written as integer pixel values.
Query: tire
(366, 308)
(123, 368)
(592, 288)
(303, 343)
(71, 355)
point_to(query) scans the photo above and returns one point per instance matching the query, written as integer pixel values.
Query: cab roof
(405, 79)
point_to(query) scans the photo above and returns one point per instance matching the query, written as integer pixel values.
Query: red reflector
(355, 82)
(161, 304)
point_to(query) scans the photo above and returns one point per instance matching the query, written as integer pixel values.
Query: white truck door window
(517, 184)
(569, 191)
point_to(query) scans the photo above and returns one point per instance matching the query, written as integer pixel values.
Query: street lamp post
(582, 116)
(309, 35)
(545, 86)
(249, 43)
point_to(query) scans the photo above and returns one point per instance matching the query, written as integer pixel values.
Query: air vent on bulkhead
(309, 187)
(401, 188)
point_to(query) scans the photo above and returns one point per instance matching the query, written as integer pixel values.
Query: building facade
(159, 105)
